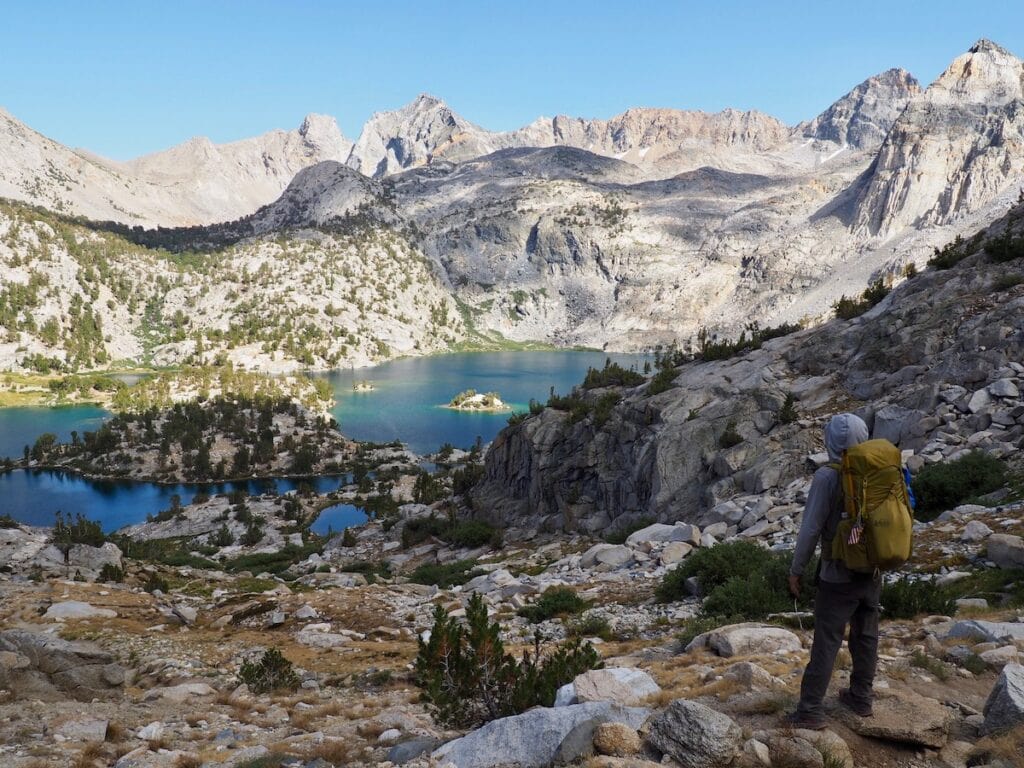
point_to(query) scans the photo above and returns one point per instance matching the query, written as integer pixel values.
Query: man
(844, 597)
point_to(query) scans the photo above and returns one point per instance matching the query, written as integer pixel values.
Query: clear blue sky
(126, 78)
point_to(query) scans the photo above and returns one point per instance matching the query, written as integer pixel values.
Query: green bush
(556, 601)
(445, 575)
(953, 253)
(468, 679)
(740, 580)
(460, 533)
(155, 582)
(662, 381)
(788, 413)
(612, 375)
(273, 672)
(730, 437)
(110, 572)
(905, 599)
(1006, 282)
(6, 521)
(592, 625)
(752, 337)
(1005, 247)
(847, 308)
(273, 562)
(939, 487)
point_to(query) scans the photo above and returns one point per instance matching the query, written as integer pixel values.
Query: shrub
(272, 562)
(713, 349)
(473, 533)
(592, 625)
(156, 582)
(110, 572)
(1006, 282)
(224, 537)
(730, 436)
(465, 477)
(788, 414)
(604, 407)
(905, 599)
(847, 308)
(273, 672)
(740, 580)
(953, 253)
(468, 679)
(348, 538)
(612, 375)
(1005, 247)
(942, 486)
(662, 381)
(556, 601)
(6, 521)
(445, 575)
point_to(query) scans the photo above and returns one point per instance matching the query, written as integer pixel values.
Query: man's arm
(816, 511)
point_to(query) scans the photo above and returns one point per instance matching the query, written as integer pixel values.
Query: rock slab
(621, 685)
(905, 717)
(532, 739)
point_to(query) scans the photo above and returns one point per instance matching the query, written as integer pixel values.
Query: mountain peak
(863, 117)
(987, 46)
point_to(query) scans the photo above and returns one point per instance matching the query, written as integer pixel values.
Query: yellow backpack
(876, 530)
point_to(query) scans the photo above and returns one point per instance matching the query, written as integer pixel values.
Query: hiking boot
(800, 720)
(863, 709)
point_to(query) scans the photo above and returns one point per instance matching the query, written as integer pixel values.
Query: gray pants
(835, 606)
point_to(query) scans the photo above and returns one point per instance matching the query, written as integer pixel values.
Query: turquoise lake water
(406, 404)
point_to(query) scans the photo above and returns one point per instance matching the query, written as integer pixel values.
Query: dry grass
(116, 732)
(1007, 746)
(337, 751)
(371, 729)
(155, 745)
(194, 719)
(721, 689)
(769, 704)
(90, 753)
(188, 761)
(223, 698)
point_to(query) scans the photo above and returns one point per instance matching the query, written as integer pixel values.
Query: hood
(843, 431)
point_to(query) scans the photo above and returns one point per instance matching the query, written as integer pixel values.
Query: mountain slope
(902, 365)
(197, 182)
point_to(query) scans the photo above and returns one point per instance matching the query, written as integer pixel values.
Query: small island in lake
(471, 400)
(363, 386)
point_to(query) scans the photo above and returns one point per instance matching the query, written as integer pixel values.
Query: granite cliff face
(927, 385)
(864, 116)
(956, 148)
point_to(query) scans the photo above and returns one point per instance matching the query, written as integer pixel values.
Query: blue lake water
(406, 404)
(338, 518)
(35, 497)
(409, 395)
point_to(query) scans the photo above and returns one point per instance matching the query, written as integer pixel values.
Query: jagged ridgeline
(79, 295)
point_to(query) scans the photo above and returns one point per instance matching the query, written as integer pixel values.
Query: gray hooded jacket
(822, 511)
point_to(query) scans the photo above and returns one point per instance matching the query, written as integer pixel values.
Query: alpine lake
(400, 400)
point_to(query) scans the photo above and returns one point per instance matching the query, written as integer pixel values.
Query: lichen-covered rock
(695, 736)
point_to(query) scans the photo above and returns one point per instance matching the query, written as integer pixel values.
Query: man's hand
(794, 585)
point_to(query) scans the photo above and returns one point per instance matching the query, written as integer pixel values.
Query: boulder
(986, 631)
(902, 716)
(50, 669)
(616, 740)
(83, 729)
(749, 639)
(674, 552)
(975, 531)
(1004, 388)
(615, 556)
(660, 532)
(400, 754)
(979, 401)
(152, 732)
(1004, 708)
(532, 739)
(1005, 550)
(751, 676)
(75, 609)
(86, 560)
(998, 657)
(179, 693)
(695, 736)
(622, 685)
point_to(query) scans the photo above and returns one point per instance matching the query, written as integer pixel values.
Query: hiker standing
(846, 595)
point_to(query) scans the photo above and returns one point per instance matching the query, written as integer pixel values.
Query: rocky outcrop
(36, 666)
(903, 716)
(900, 366)
(954, 149)
(1004, 708)
(863, 117)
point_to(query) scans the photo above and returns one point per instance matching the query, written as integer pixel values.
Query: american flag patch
(854, 537)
